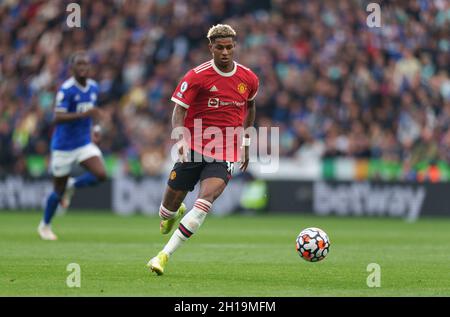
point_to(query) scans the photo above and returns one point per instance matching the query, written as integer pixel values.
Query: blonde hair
(220, 31)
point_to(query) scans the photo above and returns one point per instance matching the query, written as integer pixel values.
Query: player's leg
(171, 209)
(214, 178)
(96, 172)
(210, 189)
(59, 185)
(90, 158)
(183, 178)
(61, 163)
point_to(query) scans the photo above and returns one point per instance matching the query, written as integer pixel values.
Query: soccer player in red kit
(221, 93)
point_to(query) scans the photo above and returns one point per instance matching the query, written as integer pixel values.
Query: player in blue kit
(75, 111)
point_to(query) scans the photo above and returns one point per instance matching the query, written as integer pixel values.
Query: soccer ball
(312, 244)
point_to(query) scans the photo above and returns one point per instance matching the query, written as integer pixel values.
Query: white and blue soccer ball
(312, 244)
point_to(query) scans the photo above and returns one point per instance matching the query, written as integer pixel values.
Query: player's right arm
(178, 115)
(62, 114)
(183, 96)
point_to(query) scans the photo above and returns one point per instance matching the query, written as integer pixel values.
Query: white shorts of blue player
(62, 161)
(61, 166)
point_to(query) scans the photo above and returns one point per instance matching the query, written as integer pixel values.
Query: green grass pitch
(229, 256)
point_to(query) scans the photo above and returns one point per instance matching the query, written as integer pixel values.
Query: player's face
(81, 66)
(222, 50)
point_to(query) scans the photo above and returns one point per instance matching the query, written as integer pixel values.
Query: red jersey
(220, 100)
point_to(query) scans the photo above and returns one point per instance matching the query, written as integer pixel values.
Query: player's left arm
(249, 122)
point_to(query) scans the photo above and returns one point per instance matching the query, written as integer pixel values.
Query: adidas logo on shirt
(214, 88)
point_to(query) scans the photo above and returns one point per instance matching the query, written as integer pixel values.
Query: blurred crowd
(334, 86)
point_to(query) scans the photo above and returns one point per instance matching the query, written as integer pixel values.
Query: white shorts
(62, 161)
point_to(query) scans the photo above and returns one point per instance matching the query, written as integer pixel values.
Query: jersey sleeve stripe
(60, 109)
(202, 65)
(179, 102)
(202, 69)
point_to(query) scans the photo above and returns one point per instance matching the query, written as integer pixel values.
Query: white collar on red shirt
(229, 74)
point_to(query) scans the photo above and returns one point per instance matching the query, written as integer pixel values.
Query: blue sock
(87, 179)
(52, 203)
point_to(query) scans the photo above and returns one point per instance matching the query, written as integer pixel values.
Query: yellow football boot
(158, 263)
(166, 225)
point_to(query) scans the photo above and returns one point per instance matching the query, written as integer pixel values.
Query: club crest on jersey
(242, 88)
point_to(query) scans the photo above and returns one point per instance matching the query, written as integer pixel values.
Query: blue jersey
(72, 98)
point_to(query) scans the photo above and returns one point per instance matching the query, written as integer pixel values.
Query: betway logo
(368, 199)
(130, 195)
(18, 193)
